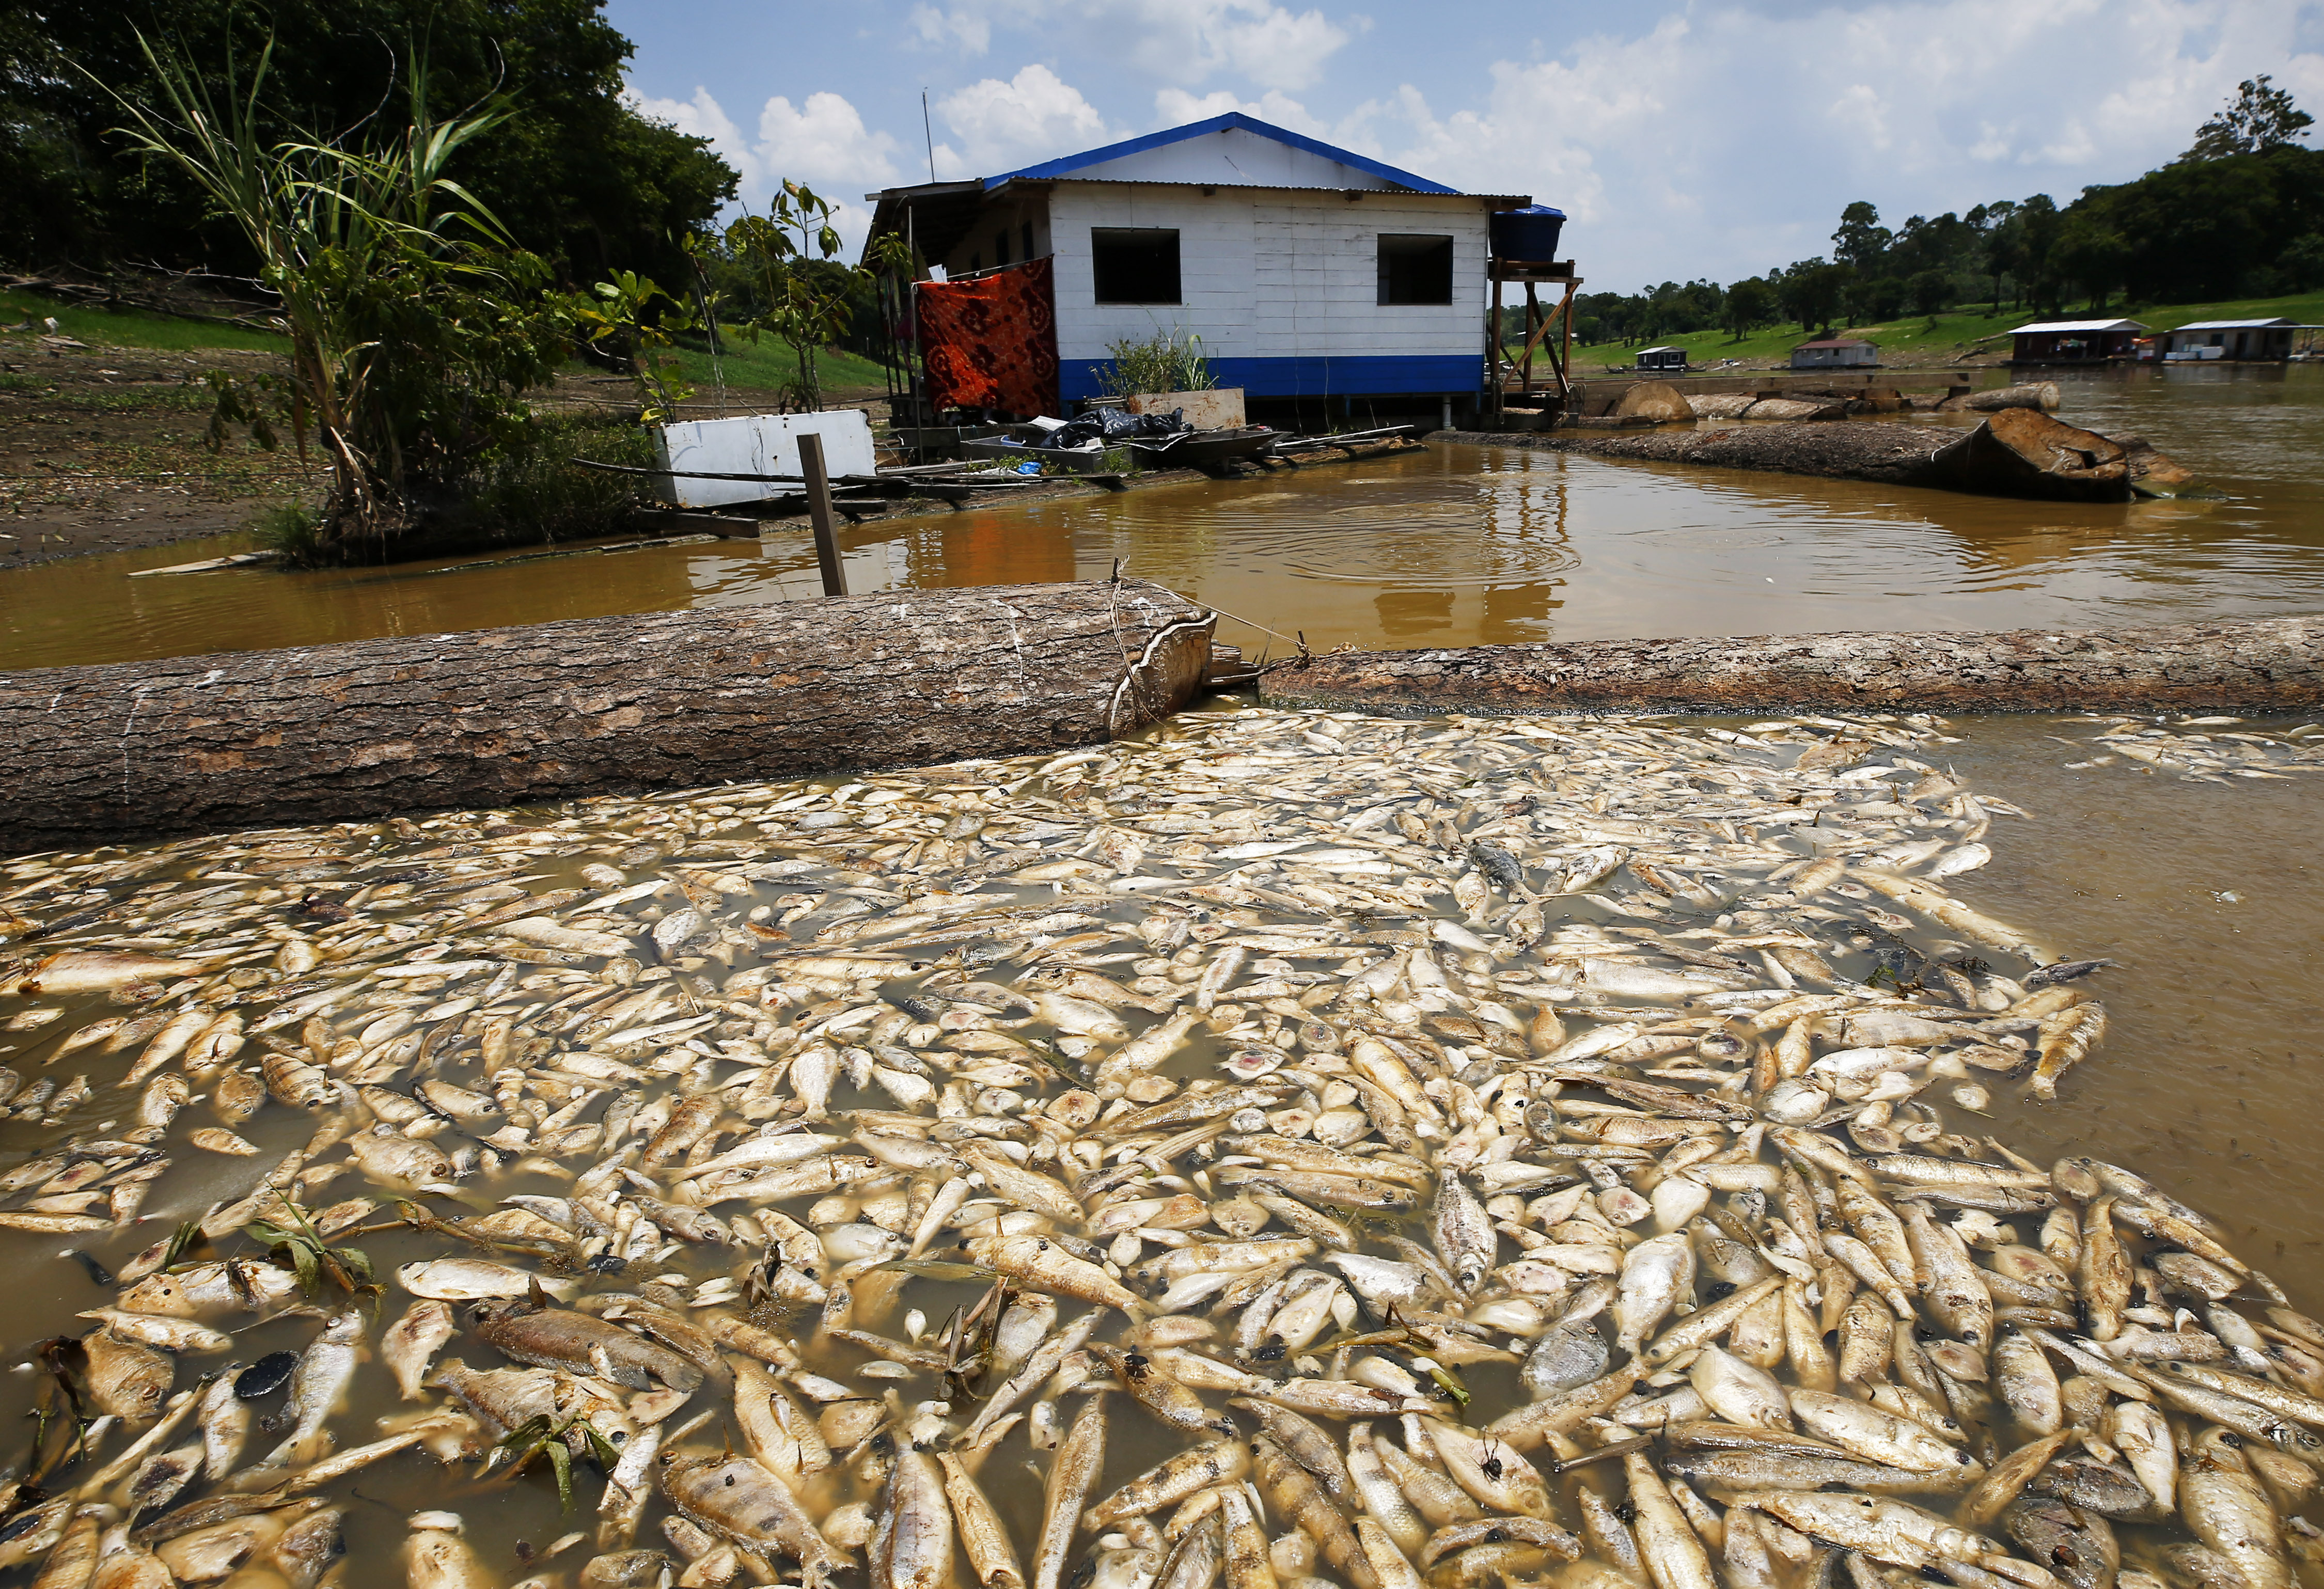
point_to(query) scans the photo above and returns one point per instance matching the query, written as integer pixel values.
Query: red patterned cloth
(993, 341)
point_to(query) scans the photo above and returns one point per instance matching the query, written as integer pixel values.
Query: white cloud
(961, 29)
(1187, 41)
(1726, 139)
(821, 142)
(1174, 107)
(1003, 125)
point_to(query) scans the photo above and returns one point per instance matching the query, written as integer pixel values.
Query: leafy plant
(413, 321)
(292, 529)
(800, 306)
(621, 317)
(313, 1259)
(540, 1435)
(1168, 361)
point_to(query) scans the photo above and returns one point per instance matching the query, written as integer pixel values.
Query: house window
(1028, 239)
(1001, 247)
(1415, 269)
(1135, 264)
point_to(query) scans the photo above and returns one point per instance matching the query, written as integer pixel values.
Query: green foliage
(797, 291)
(1750, 304)
(590, 183)
(292, 529)
(2258, 119)
(1166, 361)
(1812, 291)
(295, 1240)
(532, 493)
(632, 318)
(1931, 293)
(413, 323)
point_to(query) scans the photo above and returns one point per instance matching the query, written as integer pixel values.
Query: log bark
(2263, 664)
(502, 716)
(2017, 452)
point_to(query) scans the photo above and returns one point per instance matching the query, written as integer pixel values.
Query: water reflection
(1457, 545)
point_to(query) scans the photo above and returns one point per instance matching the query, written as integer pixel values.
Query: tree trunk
(2266, 663)
(2017, 452)
(548, 711)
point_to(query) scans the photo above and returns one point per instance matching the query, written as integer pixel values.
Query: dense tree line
(574, 174)
(2241, 214)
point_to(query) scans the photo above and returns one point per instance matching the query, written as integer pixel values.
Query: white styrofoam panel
(757, 444)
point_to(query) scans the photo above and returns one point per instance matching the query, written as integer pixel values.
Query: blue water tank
(1529, 234)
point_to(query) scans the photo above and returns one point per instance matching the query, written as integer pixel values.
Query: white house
(1836, 352)
(2232, 339)
(1306, 270)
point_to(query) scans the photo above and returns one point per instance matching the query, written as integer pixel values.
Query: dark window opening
(1028, 239)
(975, 262)
(1136, 265)
(1001, 247)
(1415, 269)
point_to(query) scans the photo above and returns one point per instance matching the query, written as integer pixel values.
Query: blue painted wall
(1317, 375)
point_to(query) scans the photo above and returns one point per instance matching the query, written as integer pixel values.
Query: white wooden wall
(1269, 272)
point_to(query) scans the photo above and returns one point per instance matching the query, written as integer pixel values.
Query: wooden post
(818, 510)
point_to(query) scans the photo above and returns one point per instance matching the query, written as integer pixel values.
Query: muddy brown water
(2210, 898)
(1455, 546)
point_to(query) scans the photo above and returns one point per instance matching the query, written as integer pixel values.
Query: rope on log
(501, 717)
(2260, 663)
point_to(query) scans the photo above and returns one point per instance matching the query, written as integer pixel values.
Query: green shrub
(1168, 361)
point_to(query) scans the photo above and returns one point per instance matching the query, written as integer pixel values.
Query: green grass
(130, 328)
(1954, 336)
(765, 365)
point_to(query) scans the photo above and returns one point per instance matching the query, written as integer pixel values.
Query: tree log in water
(2265, 664)
(2018, 452)
(500, 716)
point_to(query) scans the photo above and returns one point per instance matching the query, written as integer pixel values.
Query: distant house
(2232, 339)
(1662, 359)
(1306, 270)
(1836, 352)
(2073, 342)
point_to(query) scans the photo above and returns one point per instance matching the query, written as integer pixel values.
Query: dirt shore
(106, 449)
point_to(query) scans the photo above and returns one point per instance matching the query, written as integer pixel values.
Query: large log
(2263, 664)
(501, 717)
(2017, 452)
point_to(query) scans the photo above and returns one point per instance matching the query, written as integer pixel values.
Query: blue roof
(1068, 164)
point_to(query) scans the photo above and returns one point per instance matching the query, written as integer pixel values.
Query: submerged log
(2017, 452)
(501, 716)
(2034, 394)
(2261, 663)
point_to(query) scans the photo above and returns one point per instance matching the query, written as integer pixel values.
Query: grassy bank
(1916, 340)
(121, 327)
(765, 365)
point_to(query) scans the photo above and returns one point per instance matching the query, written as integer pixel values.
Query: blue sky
(1685, 139)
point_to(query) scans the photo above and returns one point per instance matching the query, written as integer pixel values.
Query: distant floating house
(1662, 359)
(1306, 270)
(2269, 340)
(1836, 352)
(2073, 342)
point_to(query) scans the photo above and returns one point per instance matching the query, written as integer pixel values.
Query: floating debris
(1460, 1152)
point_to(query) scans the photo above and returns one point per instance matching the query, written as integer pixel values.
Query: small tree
(806, 309)
(1750, 304)
(413, 321)
(1810, 292)
(1932, 292)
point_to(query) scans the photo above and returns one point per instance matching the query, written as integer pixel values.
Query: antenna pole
(927, 130)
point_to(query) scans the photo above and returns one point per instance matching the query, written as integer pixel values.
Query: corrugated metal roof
(1838, 342)
(2278, 324)
(2059, 325)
